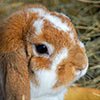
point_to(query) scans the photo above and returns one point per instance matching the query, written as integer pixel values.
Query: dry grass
(85, 14)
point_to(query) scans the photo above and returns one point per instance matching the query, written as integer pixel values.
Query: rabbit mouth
(81, 73)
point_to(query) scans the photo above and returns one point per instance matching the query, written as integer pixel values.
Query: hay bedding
(85, 15)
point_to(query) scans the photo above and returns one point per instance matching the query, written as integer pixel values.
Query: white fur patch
(44, 93)
(56, 21)
(46, 81)
(40, 11)
(44, 78)
(72, 37)
(59, 96)
(38, 24)
(81, 44)
(62, 14)
(59, 57)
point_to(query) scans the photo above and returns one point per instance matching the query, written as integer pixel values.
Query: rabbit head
(49, 44)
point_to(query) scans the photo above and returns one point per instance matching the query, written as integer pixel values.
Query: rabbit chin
(45, 89)
(58, 96)
(49, 94)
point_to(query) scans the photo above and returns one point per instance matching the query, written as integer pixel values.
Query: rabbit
(40, 55)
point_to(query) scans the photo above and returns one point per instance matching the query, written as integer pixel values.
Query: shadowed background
(85, 15)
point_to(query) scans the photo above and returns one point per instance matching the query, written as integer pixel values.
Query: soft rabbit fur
(26, 74)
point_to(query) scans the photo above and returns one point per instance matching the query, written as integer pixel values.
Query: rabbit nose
(82, 67)
(79, 68)
(80, 61)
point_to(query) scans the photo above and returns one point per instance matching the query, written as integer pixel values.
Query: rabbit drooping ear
(14, 76)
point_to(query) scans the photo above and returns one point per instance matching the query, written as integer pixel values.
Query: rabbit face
(48, 45)
(59, 57)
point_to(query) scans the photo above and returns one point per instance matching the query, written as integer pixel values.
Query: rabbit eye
(41, 49)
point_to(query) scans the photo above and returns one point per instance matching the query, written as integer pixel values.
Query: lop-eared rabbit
(40, 55)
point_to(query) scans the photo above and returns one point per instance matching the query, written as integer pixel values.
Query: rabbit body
(40, 55)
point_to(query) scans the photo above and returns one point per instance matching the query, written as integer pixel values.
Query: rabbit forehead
(53, 21)
(45, 31)
(58, 20)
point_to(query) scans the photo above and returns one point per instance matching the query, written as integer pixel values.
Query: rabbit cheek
(43, 79)
(59, 67)
(46, 80)
(65, 75)
(79, 73)
(38, 63)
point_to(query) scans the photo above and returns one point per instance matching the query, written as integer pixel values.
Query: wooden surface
(82, 94)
